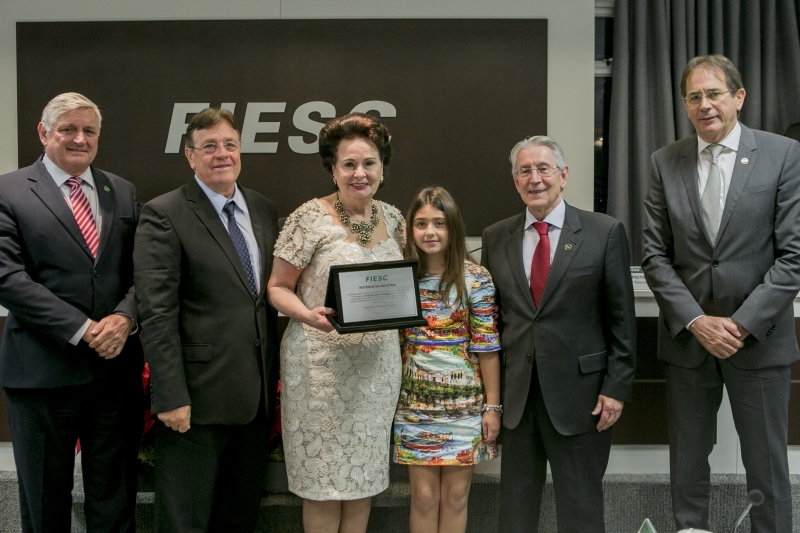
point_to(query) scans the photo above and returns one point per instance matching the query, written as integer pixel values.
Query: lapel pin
(107, 188)
(568, 247)
(745, 160)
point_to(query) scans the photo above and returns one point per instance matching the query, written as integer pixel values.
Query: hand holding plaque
(374, 296)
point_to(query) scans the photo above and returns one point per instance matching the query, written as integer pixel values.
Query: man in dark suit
(567, 330)
(68, 368)
(722, 257)
(201, 260)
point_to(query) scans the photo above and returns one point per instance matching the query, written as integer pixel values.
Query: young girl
(448, 415)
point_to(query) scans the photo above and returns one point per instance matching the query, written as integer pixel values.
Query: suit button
(535, 322)
(528, 357)
(715, 263)
(96, 274)
(258, 342)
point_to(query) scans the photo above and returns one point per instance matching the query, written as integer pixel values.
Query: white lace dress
(338, 392)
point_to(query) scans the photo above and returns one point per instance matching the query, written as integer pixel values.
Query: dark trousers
(760, 405)
(577, 463)
(45, 424)
(211, 478)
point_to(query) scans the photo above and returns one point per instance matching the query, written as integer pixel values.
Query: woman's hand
(490, 421)
(318, 318)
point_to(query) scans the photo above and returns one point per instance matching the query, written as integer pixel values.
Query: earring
(334, 183)
(381, 179)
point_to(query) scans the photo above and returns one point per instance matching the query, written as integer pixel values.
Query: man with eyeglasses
(67, 363)
(722, 257)
(568, 335)
(201, 260)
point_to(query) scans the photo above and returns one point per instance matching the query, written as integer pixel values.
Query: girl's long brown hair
(456, 251)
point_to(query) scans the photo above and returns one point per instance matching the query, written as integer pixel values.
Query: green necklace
(363, 229)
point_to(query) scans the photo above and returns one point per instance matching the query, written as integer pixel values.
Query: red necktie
(540, 266)
(83, 214)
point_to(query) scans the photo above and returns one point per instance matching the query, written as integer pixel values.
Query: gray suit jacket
(753, 272)
(51, 284)
(584, 331)
(209, 343)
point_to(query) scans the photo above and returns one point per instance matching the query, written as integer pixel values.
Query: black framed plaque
(374, 296)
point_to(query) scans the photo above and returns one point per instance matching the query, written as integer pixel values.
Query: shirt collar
(731, 141)
(60, 177)
(555, 218)
(218, 200)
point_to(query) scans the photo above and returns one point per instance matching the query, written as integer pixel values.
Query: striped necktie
(83, 214)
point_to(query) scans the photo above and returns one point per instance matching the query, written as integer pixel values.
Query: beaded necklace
(363, 229)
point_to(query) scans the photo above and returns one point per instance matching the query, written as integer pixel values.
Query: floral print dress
(438, 417)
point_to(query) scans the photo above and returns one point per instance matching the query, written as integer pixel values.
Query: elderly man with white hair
(69, 372)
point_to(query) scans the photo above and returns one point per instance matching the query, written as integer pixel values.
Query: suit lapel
(105, 201)
(46, 189)
(568, 245)
(204, 210)
(688, 164)
(747, 148)
(514, 253)
(260, 233)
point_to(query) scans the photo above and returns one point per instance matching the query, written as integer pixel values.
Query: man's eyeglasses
(543, 171)
(212, 148)
(694, 99)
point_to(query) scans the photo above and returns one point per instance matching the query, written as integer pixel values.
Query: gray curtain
(653, 41)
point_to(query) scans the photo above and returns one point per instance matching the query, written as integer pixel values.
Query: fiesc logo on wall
(255, 124)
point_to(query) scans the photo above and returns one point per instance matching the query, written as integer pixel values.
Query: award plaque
(374, 296)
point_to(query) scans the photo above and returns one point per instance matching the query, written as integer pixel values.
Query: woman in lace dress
(338, 392)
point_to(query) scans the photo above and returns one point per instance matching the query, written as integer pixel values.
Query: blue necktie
(240, 244)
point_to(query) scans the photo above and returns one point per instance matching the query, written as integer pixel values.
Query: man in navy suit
(66, 362)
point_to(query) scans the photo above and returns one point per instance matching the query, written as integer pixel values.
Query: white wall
(570, 76)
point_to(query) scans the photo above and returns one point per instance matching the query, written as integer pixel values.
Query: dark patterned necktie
(240, 244)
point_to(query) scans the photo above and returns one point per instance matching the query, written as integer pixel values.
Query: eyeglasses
(694, 99)
(543, 171)
(212, 148)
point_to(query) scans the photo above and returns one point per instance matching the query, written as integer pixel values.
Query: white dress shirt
(242, 220)
(725, 162)
(530, 239)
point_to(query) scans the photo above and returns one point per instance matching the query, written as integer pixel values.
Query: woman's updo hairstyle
(349, 127)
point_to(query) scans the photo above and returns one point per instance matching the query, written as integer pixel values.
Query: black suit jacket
(209, 343)
(51, 284)
(583, 333)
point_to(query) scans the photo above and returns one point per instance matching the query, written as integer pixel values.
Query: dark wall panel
(644, 420)
(463, 92)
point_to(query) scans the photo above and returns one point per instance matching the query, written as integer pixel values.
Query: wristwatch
(496, 408)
